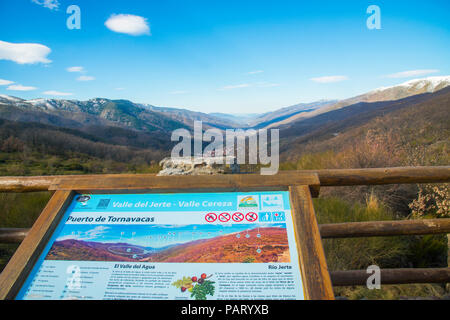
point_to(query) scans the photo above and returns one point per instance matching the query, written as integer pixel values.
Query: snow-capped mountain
(10, 99)
(74, 113)
(90, 106)
(116, 110)
(400, 91)
(408, 88)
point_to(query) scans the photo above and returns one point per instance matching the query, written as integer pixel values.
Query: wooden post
(23, 260)
(313, 266)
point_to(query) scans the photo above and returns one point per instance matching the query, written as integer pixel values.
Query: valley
(100, 135)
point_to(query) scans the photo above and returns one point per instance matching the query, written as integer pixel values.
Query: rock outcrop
(197, 166)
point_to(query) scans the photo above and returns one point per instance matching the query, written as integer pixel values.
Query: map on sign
(170, 246)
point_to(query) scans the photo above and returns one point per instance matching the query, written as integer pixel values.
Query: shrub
(432, 200)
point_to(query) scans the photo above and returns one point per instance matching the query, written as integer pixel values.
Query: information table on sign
(189, 246)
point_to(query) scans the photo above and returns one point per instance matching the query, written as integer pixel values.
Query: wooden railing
(328, 178)
(332, 177)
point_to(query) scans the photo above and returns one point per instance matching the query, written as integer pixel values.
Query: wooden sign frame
(302, 187)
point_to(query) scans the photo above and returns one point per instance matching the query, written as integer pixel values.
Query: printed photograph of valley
(240, 243)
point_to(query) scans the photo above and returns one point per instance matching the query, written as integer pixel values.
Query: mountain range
(403, 90)
(122, 130)
(146, 117)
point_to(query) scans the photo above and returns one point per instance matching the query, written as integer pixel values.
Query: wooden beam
(23, 260)
(25, 184)
(328, 177)
(206, 183)
(384, 228)
(13, 235)
(380, 176)
(392, 276)
(313, 266)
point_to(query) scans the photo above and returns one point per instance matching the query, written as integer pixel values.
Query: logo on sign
(83, 199)
(103, 203)
(272, 202)
(247, 201)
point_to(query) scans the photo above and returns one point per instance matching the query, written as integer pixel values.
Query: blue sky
(220, 56)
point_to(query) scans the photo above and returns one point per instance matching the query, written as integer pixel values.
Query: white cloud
(85, 78)
(57, 93)
(120, 89)
(237, 86)
(19, 87)
(329, 79)
(75, 69)
(24, 53)
(128, 24)
(255, 72)
(5, 82)
(51, 4)
(412, 73)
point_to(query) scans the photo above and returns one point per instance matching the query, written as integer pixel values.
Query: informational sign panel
(180, 246)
